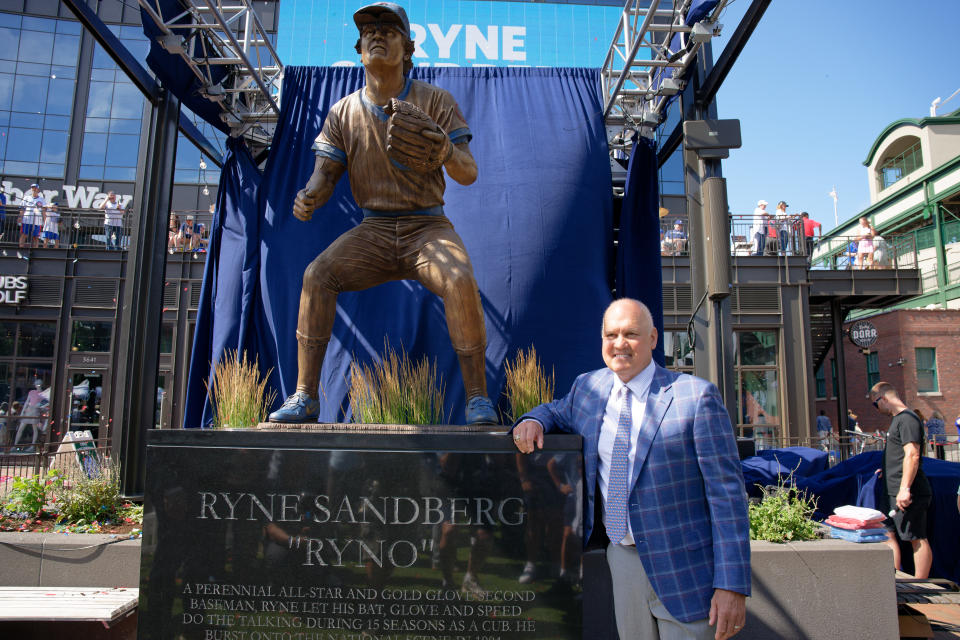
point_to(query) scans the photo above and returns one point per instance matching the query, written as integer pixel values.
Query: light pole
(833, 194)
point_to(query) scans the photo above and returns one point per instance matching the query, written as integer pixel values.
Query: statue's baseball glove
(414, 140)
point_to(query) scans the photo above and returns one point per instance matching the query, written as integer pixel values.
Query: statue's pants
(418, 247)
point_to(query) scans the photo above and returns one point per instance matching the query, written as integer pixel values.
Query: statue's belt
(375, 213)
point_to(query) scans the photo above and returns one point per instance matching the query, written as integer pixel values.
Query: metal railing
(85, 229)
(775, 237)
(76, 228)
(72, 463)
(838, 253)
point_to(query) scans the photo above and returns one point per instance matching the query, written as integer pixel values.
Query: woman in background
(937, 434)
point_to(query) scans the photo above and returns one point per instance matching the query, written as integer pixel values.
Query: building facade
(73, 123)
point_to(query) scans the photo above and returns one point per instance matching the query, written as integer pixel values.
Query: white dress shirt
(639, 386)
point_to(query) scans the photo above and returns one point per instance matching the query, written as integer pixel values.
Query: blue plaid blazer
(688, 505)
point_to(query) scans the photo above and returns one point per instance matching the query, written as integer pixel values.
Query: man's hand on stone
(528, 435)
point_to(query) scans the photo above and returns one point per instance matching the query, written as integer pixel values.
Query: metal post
(836, 317)
(134, 404)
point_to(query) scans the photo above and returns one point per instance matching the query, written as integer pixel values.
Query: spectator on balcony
(190, 233)
(758, 229)
(674, 241)
(865, 235)
(784, 226)
(112, 222)
(770, 233)
(31, 217)
(173, 233)
(811, 229)
(51, 225)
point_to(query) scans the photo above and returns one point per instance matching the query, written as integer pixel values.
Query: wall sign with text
(13, 289)
(453, 33)
(863, 334)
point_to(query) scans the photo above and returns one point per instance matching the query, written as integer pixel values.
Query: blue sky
(817, 83)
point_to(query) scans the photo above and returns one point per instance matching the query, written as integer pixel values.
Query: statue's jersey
(355, 134)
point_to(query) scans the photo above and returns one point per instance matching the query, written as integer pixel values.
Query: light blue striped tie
(616, 507)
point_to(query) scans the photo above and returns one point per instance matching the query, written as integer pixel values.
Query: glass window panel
(10, 20)
(66, 50)
(122, 150)
(8, 66)
(127, 101)
(186, 175)
(123, 125)
(759, 400)
(103, 75)
(98, 104)
(37, 339)
(60, 100)
(756, 348)
(57, 123)
(33, 69)
(926, 370)
(166, 337)
(91, 172)
(96, 125)
(5, 390)
(29, 93)
(23, 145)
(6, 90)
(67, 26)
(50, 170)
(89, 335)
(676, 347)
(4, 118)
(39, 24)
(63, 72)
(54, 148)
(8, 338)
(26, 120)
(94, 149)
(833, 377)
(101, 60)
(9, 43)
(20, 168)
(36, 47)
(120, 173)
(821, 383)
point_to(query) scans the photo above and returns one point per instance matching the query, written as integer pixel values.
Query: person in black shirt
(908, 490)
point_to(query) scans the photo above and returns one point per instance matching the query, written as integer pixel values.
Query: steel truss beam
(644, 66)
(221, 33)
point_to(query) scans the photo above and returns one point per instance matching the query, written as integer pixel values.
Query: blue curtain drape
(537, 225)
(638, 257)
(227, 296)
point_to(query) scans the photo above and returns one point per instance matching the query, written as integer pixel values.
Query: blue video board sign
(456, 33)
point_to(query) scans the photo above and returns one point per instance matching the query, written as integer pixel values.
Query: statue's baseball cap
(384, 13)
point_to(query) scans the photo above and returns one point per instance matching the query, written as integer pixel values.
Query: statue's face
(381, 44)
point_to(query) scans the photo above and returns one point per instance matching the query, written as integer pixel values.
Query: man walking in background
(908, 491)
(810, 228)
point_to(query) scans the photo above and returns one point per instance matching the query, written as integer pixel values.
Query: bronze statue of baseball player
(395, 136)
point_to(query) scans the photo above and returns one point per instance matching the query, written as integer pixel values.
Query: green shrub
(95, 499)
(396, 390)
(783, 514)
(30, 495)
(238, 393)
(526, 385)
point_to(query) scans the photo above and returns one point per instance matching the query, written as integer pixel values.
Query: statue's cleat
(480, 411)
(299, 407)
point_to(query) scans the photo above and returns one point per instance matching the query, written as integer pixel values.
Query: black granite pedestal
(337, 534)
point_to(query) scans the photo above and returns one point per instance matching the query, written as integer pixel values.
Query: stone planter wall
(73, 560)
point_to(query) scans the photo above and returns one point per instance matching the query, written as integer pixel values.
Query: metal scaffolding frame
(213, 34)
(644, 66)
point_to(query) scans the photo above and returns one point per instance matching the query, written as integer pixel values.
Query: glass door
(85, 394)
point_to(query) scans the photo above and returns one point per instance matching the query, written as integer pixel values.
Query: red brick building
(917, 351)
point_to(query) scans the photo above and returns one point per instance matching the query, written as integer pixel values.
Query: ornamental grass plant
(239, 393)
(92, 498)
(527, 386)
(783, 514)
(396, 390)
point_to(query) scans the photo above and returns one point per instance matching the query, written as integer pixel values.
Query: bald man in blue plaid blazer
(683, 568)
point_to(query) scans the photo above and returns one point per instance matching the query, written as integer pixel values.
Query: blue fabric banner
(537, 225)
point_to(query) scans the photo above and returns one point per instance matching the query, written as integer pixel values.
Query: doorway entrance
(87, 405)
